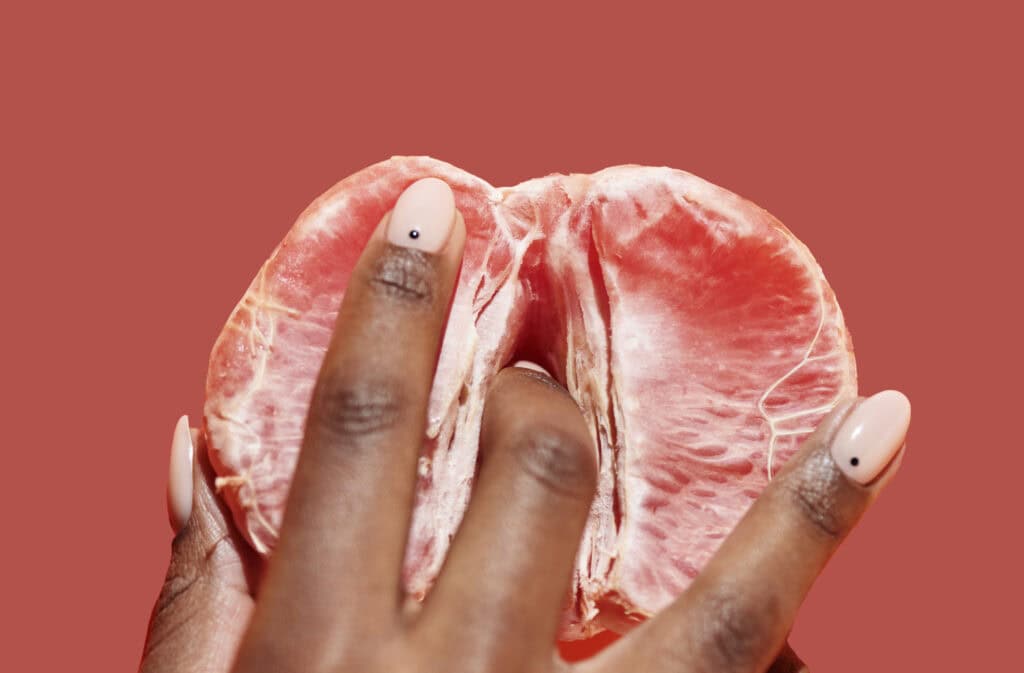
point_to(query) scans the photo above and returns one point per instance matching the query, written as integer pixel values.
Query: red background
(152, 157)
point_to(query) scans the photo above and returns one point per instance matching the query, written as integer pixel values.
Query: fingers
(736, 614)
(342, 540)
(205, 603)
(500, 596)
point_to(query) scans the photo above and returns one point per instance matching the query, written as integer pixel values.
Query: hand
(331, 597)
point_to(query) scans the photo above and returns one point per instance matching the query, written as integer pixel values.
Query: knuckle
(175, 605)
(558, 460)
(178, 587)
(734, 630)
(405, 274)
(813, 490)
(205, 571)
(347, 408)
(195, 561)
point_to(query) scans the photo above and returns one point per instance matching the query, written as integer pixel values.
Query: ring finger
(736, 614)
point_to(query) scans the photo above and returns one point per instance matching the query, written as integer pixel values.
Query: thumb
(207, 597)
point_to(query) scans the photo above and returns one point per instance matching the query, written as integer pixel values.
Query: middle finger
(500, 594)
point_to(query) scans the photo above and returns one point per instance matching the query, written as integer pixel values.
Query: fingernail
(526, 364)
(179, 481)
(424, 216)
(871, 435)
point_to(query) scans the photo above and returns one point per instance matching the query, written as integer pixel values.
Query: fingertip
(889, 471)
(528, 370)
(424, 216)
(179, 481)
(871, 435)
(526, 364)
(456, 243)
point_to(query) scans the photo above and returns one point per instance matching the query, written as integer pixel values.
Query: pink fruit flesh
(698, 335)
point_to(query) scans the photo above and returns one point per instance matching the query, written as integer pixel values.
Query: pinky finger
(207, 596)
(179, 475)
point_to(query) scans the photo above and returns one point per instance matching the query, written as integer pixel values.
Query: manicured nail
(871, 435)
(526, 364)
(179, 482)
(424, 216)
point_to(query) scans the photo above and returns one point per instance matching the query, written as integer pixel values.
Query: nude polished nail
(526, 364)
(424, 216)
(871, 435)
(179, 481)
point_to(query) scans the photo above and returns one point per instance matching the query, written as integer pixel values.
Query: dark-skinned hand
(330, 599)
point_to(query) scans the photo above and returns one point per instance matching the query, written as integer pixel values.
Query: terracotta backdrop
(152, 157)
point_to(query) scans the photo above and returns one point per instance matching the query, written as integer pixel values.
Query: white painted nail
(871, 435)
(526, 364)
(424, 216)
(179, 481)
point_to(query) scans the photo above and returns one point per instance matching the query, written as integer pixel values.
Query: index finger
(339, 557)
(737, 613)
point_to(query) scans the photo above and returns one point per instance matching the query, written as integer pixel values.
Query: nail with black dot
(415, 233)
(871, 435)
